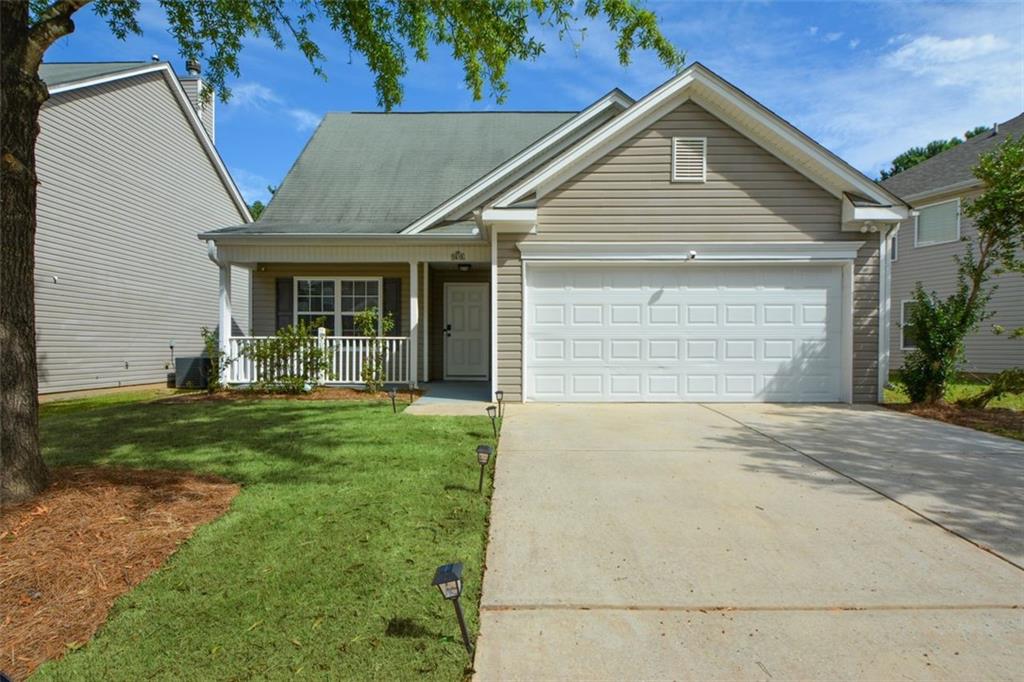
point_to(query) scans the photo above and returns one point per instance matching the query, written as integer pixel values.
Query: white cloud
(813, 30)
(928, 51)
(854, 42)
(832, 37)
(256, 96)
(253, 186)
(304, 119)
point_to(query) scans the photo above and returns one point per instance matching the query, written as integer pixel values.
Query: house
(924, 250)
(128, 173)
(686, 246)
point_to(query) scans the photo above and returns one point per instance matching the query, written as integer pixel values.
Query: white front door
(467, 334)
(683, 332)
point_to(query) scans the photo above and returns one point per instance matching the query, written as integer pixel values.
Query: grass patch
(322, 566)
(1003, 417)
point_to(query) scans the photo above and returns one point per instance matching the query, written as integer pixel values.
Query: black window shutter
(393, 301)
(285, 302)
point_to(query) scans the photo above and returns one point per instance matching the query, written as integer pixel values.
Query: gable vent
(689, 159)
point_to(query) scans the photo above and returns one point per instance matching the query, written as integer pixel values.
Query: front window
(315, 301)
(357, 296)
(938, 223)
(336, 302)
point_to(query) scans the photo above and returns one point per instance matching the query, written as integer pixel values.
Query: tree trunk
(22, 470)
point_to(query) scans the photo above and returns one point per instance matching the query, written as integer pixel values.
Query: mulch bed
(992, 419)
(320, 393)
(93, 535)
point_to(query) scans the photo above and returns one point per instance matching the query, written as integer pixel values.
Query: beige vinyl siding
(750, 195)
(510, 318)
(125, 186)
(935, 267)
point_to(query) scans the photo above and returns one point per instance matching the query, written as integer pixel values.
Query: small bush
(373, 367)
(292, 361)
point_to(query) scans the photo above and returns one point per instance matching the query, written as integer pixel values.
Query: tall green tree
(916, 155)
(483, 36)
(941, 325)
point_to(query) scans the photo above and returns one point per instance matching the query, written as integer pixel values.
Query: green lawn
(322, 566)
(957, 390)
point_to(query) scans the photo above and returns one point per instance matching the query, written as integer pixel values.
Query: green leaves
(482, 35)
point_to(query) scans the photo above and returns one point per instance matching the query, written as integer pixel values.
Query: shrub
(292, 360)
(373, 367)
(217, 357)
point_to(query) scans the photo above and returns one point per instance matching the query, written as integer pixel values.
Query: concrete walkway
(452, 398)
(751, 542)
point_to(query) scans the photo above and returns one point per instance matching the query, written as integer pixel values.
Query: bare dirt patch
(320, 393)
(92, 536)
(998, 420)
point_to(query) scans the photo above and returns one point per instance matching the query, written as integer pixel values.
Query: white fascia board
(671, 94)
(190, 113)
(916, 198)
(510, 219)
(692, 251)
(854, 216)
(319, 238)
(489, 182)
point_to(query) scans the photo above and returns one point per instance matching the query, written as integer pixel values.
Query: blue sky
(867, 80)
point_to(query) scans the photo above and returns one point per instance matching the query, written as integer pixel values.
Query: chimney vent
(192, 67)
(995, 128)
(155, 58)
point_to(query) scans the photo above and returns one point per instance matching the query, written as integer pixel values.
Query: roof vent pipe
(995, 128)
(192, 67)
(155, 58)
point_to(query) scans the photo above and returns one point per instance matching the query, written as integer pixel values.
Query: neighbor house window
(907, 339)
(938, 223)
(336, 301)
(315, 300)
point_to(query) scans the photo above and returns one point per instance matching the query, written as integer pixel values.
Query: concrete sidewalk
(674, 542)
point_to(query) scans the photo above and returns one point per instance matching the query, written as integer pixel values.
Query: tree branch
(53, 23)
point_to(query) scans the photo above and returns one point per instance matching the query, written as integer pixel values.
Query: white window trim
(917, 219)
(903, 323)
(337, 298)
(704, 160)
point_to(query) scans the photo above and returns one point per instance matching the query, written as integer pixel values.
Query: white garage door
(683, 332)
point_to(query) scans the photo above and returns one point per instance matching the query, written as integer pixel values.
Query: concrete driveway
(751, 542)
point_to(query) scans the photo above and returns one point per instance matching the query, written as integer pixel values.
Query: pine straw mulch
(93, 535)
(319, 393)
(998, 420)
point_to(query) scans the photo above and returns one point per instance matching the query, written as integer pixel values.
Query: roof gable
(69, 76)
(733, 107)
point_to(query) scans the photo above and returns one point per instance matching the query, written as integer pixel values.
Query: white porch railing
(347, 356)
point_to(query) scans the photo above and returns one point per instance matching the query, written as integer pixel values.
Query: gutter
(280, 237)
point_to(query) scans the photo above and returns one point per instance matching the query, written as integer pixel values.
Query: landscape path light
(448, 579)
(393, 394)
(483, 454)
(492, 412)
(500, 396)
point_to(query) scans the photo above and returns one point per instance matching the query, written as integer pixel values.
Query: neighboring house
(925, 247)
(127, 174)
(688, 246)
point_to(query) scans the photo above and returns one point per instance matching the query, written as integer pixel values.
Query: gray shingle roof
(58, 73)
(375, 173)
(953, 165)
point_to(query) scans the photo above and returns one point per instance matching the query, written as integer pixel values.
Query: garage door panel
(683, 332)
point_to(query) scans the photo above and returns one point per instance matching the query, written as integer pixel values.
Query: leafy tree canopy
(916, 155)
(482, 35)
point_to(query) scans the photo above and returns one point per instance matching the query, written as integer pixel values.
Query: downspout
(884, 306)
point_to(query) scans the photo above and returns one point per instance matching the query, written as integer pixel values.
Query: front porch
(441, 312)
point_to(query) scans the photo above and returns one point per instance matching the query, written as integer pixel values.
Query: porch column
(426, 322)
(414, 321)
(224, 318)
